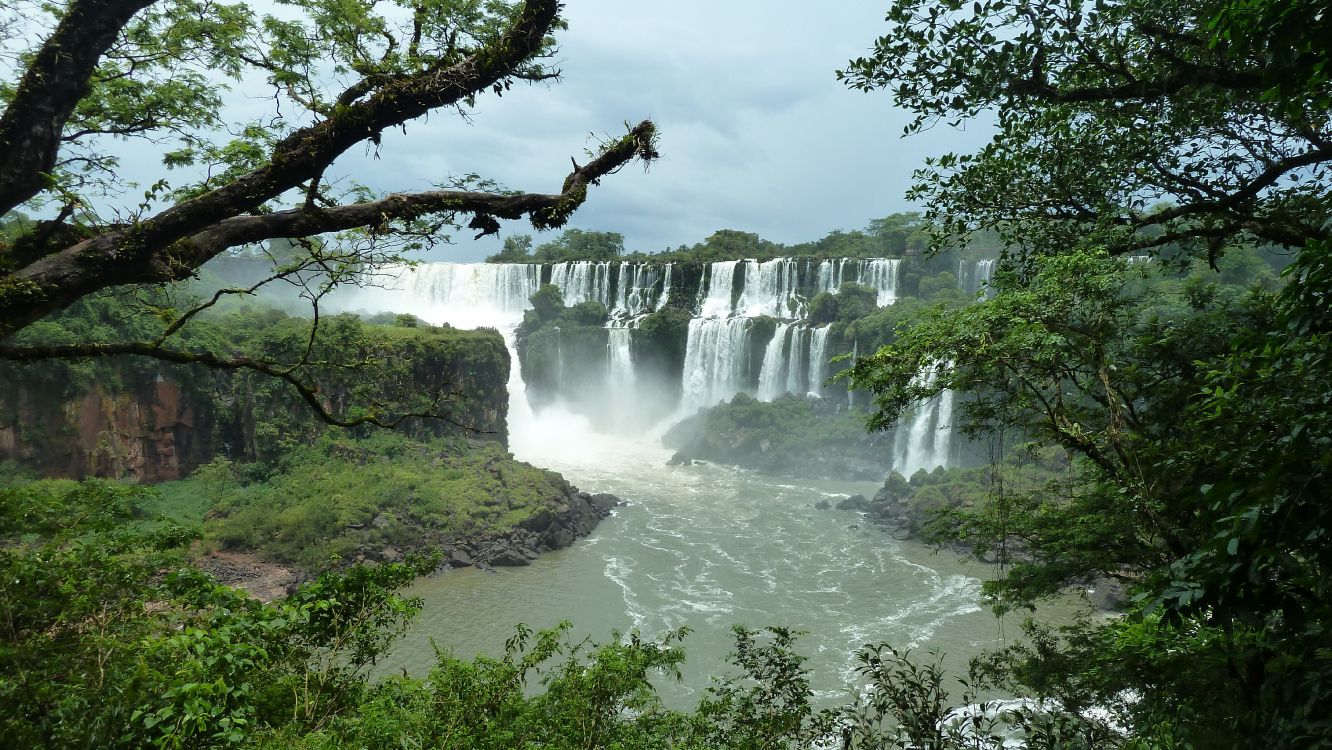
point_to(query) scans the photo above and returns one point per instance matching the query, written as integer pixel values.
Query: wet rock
(854, 502)
(603, 503)
(511, 557)
(823, 505)
(1107, 594)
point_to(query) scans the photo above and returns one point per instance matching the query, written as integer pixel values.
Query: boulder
(854, 502)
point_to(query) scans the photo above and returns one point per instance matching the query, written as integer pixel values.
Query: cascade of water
(582, 281)
(716, 295)
(772, 288)
(665, 287)
(716, 365)
(796, 377)
(984, 272)
(831, 274)
(973, 277)
(631, 289)
(927, 442)
(772, 378)
(620, 372)
(881, 274)
(472, 294)
(818, 359)
(623, 288)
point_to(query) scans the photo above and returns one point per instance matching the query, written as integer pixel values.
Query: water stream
(702, 546)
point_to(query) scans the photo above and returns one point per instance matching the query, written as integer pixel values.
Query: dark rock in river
(854, 502)
(553, 528)
(823, 505)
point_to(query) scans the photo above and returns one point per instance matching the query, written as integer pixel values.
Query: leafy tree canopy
(1123, 124)
(158, 72)
(1193, 130)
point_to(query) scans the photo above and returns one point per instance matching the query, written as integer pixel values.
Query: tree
(577, 244)
(340, 76)
(1127, 125)
(517, 249)
(1197, 416)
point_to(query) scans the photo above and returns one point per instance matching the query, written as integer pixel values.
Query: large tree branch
(546, 210)
(55, 81)
(149, 249)
(50, 283)
(308, 392)
(1189, 78)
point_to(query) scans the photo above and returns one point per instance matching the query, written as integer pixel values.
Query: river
(701, 546)
(707, 547)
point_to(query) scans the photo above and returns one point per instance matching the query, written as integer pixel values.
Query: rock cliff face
(122, 419)
(154, 432)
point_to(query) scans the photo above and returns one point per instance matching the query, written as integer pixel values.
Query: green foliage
(517, 249)
(339, 495)
(403, 366)
(109, 640)
(547, 303)
(577, 244)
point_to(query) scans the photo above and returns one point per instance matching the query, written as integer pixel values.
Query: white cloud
(756, 133)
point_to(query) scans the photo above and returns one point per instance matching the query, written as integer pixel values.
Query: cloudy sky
(756, 133)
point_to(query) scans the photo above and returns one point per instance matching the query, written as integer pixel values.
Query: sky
(756, 132)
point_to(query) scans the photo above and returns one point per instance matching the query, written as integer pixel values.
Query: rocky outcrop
(557, 526)
(795, 436)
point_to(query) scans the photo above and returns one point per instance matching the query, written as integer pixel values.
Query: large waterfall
(749, 332)
(716, 364)
(974, 277)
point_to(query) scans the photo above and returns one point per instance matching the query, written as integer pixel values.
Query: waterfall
(772, 288)
(718, 351)
(881, 274)
(831, 274)
(716, 364)
(973, 277)
(620, 373)
(665, 287)
(772, 375)
(818, 359)
(715, 295)
(984, 272)
(927, 442)
(583, 281)
(464, 294)
(785, 369)
(632, 284)
(796, 378)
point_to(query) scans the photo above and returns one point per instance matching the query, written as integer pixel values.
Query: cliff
(151, 422)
